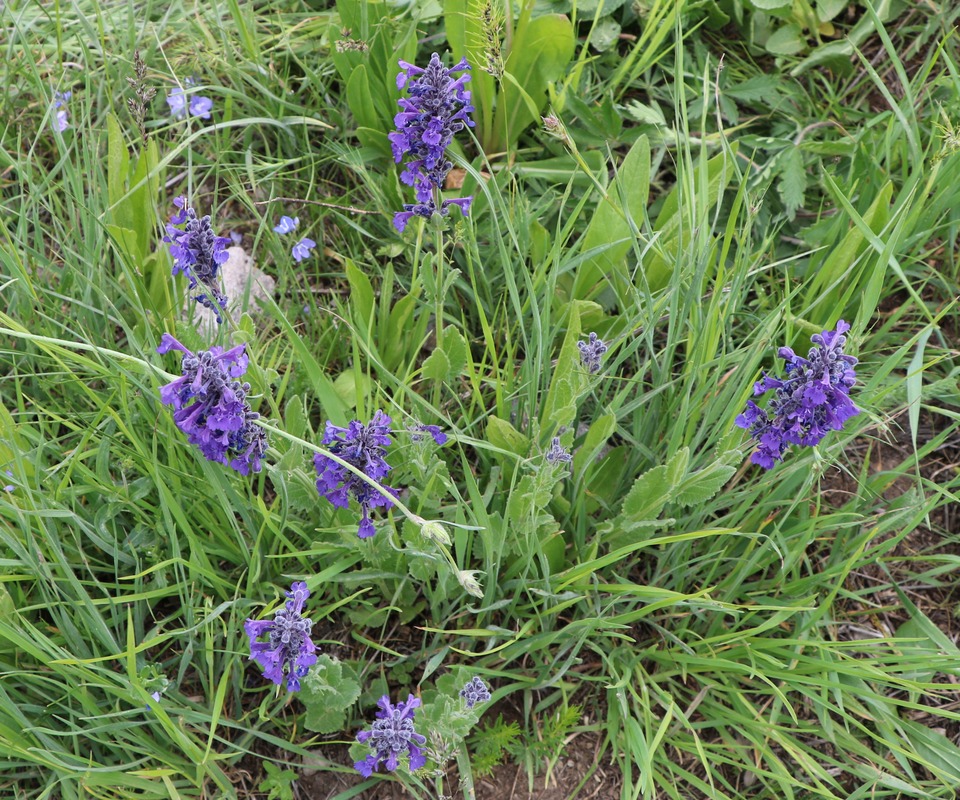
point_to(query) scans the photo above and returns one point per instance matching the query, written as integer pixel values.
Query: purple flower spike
(417, 430)
(210, 405)
(363, 446)
(301, 249)
(198, 253)
(289, 653)
(391, 734)
(591, 353)
(438, 107)
(811, 400)
(475, 691)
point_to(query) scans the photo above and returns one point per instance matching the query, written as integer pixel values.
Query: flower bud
(435, 532)
(470, 584)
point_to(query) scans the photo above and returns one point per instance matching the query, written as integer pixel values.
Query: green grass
(733, 632)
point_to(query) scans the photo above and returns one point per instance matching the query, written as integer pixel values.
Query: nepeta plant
(475, 691)
(362, 446)
(438, 107)
(210, 405)
(198, 253)
(591, 353)
(289, 652)
(391, 734)
(812, 400)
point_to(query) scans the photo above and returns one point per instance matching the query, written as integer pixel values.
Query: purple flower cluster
(591, 353)
(811, 400)
(475, 691)
(210, 405)
(289, 653)
(391, 734)
(363, 447)
(558, 454)
(198, 106)
(198, 253)
(438, 107)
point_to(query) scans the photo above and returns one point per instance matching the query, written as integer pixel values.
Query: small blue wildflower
(475, 691)
(156, 699)
(198, 253)
(391, 734)
(287, 225)
(289, 653)
(811, 400)
(62, 121)
(201, 106)
(179, 103)
(557, 454)
(591, 353)
(177, 100)
(301, 249)
(210, 405)
(363, 446)
(438, 107)
(9, 487)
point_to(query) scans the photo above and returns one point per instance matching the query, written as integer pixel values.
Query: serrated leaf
(648, 495)
(327, 693)
(568, 381)
(703, 484)
(447, 362)
(793, 180)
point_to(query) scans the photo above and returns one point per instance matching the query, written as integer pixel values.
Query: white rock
(245, 286)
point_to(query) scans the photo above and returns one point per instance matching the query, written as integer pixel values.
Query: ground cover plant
(591, 429)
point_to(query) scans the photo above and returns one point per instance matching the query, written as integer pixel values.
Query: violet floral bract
(809, 402)
(363, 446)
(210, 405)
(289, 652)
(391, 734)
(438, 107)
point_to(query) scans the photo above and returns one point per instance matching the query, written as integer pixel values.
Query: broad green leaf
(446, 363)
(614, 222)
(502, 434)
(327, 692)
(786, 40)
(294, 418)
(361, 295)
(597, 436)
(539, 55)
(568, 381)
(703, 484)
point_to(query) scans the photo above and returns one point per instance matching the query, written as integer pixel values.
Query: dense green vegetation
(698, 183)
